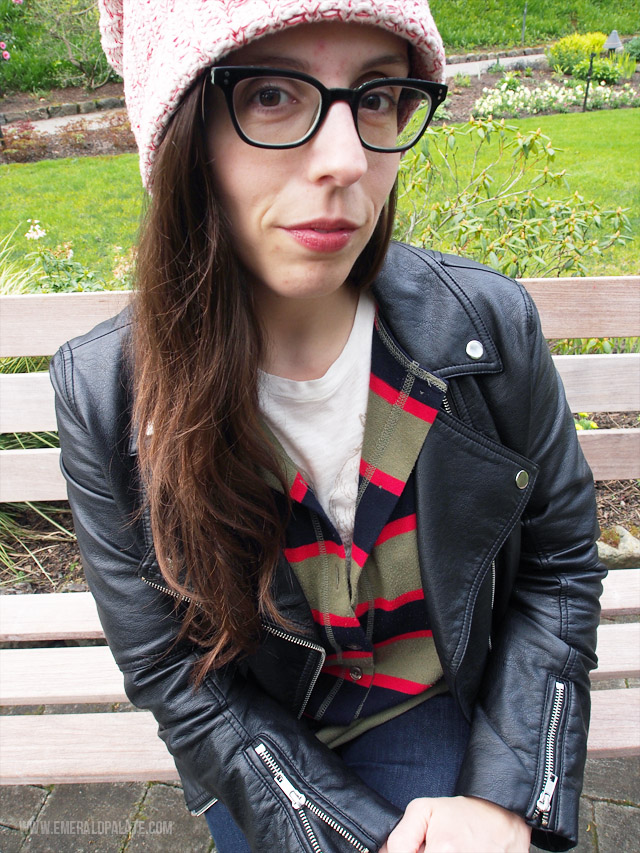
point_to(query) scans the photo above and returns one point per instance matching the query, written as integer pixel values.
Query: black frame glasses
(228, 77)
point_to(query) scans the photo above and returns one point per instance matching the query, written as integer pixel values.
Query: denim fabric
(417, 754)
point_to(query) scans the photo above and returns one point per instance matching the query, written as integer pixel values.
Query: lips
(323, 235)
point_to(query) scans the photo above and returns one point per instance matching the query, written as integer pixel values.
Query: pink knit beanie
(159, 46)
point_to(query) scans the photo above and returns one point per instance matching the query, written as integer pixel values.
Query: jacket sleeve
(213, 731)
(529, 732)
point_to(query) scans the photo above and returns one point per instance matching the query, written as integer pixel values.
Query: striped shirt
(369, 609)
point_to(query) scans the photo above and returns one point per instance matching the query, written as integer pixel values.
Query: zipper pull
(296, 797)
(543, 806)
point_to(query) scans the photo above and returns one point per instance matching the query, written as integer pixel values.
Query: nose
(336, 153)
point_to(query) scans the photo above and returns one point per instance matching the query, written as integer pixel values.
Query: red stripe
(410, 404)
(299, 488)
(402, 685)
(383, 389)
(305, 552)
(388, 604)
(388, 682)
(396, 527)
(379, 478)
(411, 635)
(358, 555)
(336, 621)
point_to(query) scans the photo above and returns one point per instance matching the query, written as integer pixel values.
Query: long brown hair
(203, 454)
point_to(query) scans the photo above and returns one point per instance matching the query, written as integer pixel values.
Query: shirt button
(522, 479)
(356, 673)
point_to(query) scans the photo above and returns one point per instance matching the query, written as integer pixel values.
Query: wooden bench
(107, 746)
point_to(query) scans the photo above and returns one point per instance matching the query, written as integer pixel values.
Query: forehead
(310, 46)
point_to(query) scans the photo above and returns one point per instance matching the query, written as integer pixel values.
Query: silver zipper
(493, 595)
(307, 644)
(550, 779)
(300, 803)
(166, 590)
(446, 405)
(202, 809)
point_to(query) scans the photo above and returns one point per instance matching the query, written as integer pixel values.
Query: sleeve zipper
(550, 779)
(301, 805)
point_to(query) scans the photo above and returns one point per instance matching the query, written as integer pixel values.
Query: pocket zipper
(550, 779)
(301, 804)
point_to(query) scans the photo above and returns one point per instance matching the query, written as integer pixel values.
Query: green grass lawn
(467, 24)
(92, 202)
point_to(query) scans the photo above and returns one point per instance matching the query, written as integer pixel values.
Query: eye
(378, 101)
(271, 97)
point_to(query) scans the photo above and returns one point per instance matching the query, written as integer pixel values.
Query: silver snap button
(475, 349)
(522, 479)
(356, 673)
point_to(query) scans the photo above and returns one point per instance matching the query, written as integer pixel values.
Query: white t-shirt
(320, 422)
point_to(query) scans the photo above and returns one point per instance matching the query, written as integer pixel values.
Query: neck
(306, 336)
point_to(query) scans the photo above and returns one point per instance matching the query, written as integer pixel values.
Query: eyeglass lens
(281, 111)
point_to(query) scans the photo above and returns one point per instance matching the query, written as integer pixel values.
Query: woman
(328, 492)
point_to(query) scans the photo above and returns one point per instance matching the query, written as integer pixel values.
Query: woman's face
(301, 216)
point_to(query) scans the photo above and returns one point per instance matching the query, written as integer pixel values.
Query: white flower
(36, 231)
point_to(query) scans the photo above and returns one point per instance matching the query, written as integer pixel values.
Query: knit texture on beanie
(160, 46)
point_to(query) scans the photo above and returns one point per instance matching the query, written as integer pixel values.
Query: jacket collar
(431, 315)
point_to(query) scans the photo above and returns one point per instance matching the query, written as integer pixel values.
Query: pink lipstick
(323, 235)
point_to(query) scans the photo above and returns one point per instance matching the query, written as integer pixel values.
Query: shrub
(569, 51)
(603, 70)
(633, 48)
(498, 209)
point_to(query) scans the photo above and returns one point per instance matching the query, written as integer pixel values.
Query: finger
(409, 835)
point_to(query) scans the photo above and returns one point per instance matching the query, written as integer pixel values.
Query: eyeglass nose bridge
(329, 97)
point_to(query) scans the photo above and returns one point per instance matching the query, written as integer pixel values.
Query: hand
(458, 825)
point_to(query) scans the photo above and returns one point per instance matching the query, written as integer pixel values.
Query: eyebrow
(275, 61)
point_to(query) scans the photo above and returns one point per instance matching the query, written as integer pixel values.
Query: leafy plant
(461, 81)
(482, 190)
(626, 62)
(571, 50)
(602, 70)
(632, 48)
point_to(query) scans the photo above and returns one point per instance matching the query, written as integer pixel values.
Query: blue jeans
(417, 754)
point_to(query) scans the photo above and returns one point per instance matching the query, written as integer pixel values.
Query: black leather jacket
(506, 532)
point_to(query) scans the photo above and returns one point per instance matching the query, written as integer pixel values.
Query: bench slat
(594, 383)
(601, 383)
(613, 454)
(27, 403)
(53, 616)
(618, 652)
(34, 475)
(74, 748)
(595, 307)
(615, 723)
(60, 675)
(74, 616)
(621, 593)
(89, 674)
(38, 323)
